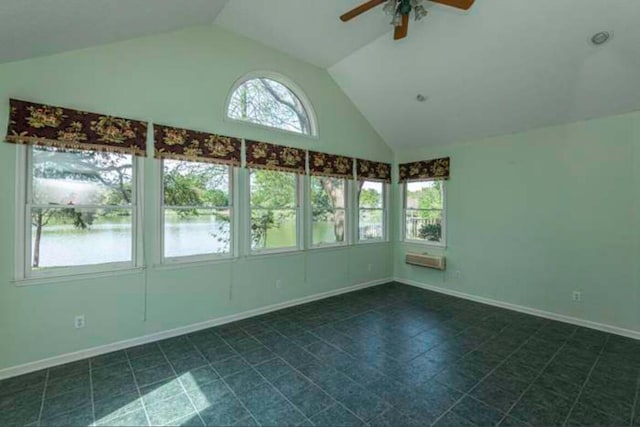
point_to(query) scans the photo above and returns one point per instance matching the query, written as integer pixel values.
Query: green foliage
(195, 185)
(261, 222)
(431, 232)
(321, 204)
(273, 197)
(370, 198)
(273, 189)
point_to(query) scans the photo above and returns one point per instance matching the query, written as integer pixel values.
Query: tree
(196, 188)
(273, 200)
(40, 217)
(195, 185)
(327, 195)
(109, 170)
(270, 103)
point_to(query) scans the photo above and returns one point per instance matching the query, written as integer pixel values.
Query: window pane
(273, 189)
(65, 177)
(73, 237)
(196, 232)
(195, 184)
(327, 210)
(267, 102)
(424, 225)
(273, 228)
(370, 194)
(425, 195)
(371, 224)
(327, 193)
(328, 227)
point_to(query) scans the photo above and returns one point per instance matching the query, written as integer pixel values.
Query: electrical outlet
(278, 284)
(458, 275)
(79, 322)
(577, 296)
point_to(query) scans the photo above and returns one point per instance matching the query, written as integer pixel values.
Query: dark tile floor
(392, 355)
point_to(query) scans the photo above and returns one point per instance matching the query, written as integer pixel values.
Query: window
(371, 211)
(81, 210)
(424, 212)
(267, 102)
(197, 209)
(274, 210)
(328, 210)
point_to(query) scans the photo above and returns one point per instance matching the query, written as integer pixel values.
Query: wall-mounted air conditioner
(425, 260)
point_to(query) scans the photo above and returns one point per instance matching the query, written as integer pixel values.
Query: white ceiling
(307, 29)
(30, 28)
(505, 66)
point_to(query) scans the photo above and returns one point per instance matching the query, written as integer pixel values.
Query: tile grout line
(44, 394)
(135, 381)
(184, 390)
(584, 383)
(636, 400)
(485, 377)
(540, 373)
(222, 379)
(93, 405)
(390, 405)
(316, 385)
(264, 378)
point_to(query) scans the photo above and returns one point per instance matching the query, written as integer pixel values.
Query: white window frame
(289, 84)
(443, 242)
(347, 215)
(232, 226)
(23, 270)
(385, 213)
(300, 195)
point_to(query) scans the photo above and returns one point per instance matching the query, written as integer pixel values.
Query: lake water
(64, 245)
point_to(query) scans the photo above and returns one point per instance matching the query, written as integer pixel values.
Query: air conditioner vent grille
(424, 260)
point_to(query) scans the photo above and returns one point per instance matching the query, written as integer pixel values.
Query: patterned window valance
(375, 171)
(183, 144)
(262, 155)
(425, 170)
(41, 124)
(330, 165)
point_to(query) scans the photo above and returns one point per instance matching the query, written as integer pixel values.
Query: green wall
(535, 215)
(181, 79)
(531, 216)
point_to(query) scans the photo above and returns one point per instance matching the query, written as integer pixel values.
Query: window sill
(372, 242)
(186, 263)
(273, 252)
(328, 246)
(59, 278)
(441, 246)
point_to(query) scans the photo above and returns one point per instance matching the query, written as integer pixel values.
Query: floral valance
(262, 155)
(184, 144)
(425, 170)
(330, 165)
(40, 124)
(374, 171)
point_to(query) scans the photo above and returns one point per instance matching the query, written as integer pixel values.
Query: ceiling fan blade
(360, 9)
(401, 30)
(460, 4)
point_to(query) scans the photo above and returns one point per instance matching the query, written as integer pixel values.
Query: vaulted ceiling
(504, 66)
(30, 28)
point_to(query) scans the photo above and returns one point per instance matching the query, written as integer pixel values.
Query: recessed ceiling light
(420, 97)
(601, 38)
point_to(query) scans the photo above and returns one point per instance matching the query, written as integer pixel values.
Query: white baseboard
(119, 345)
(528, 310)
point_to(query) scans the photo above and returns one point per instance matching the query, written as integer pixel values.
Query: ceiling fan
(401, 9)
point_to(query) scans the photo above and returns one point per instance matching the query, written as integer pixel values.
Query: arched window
(271, 100)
